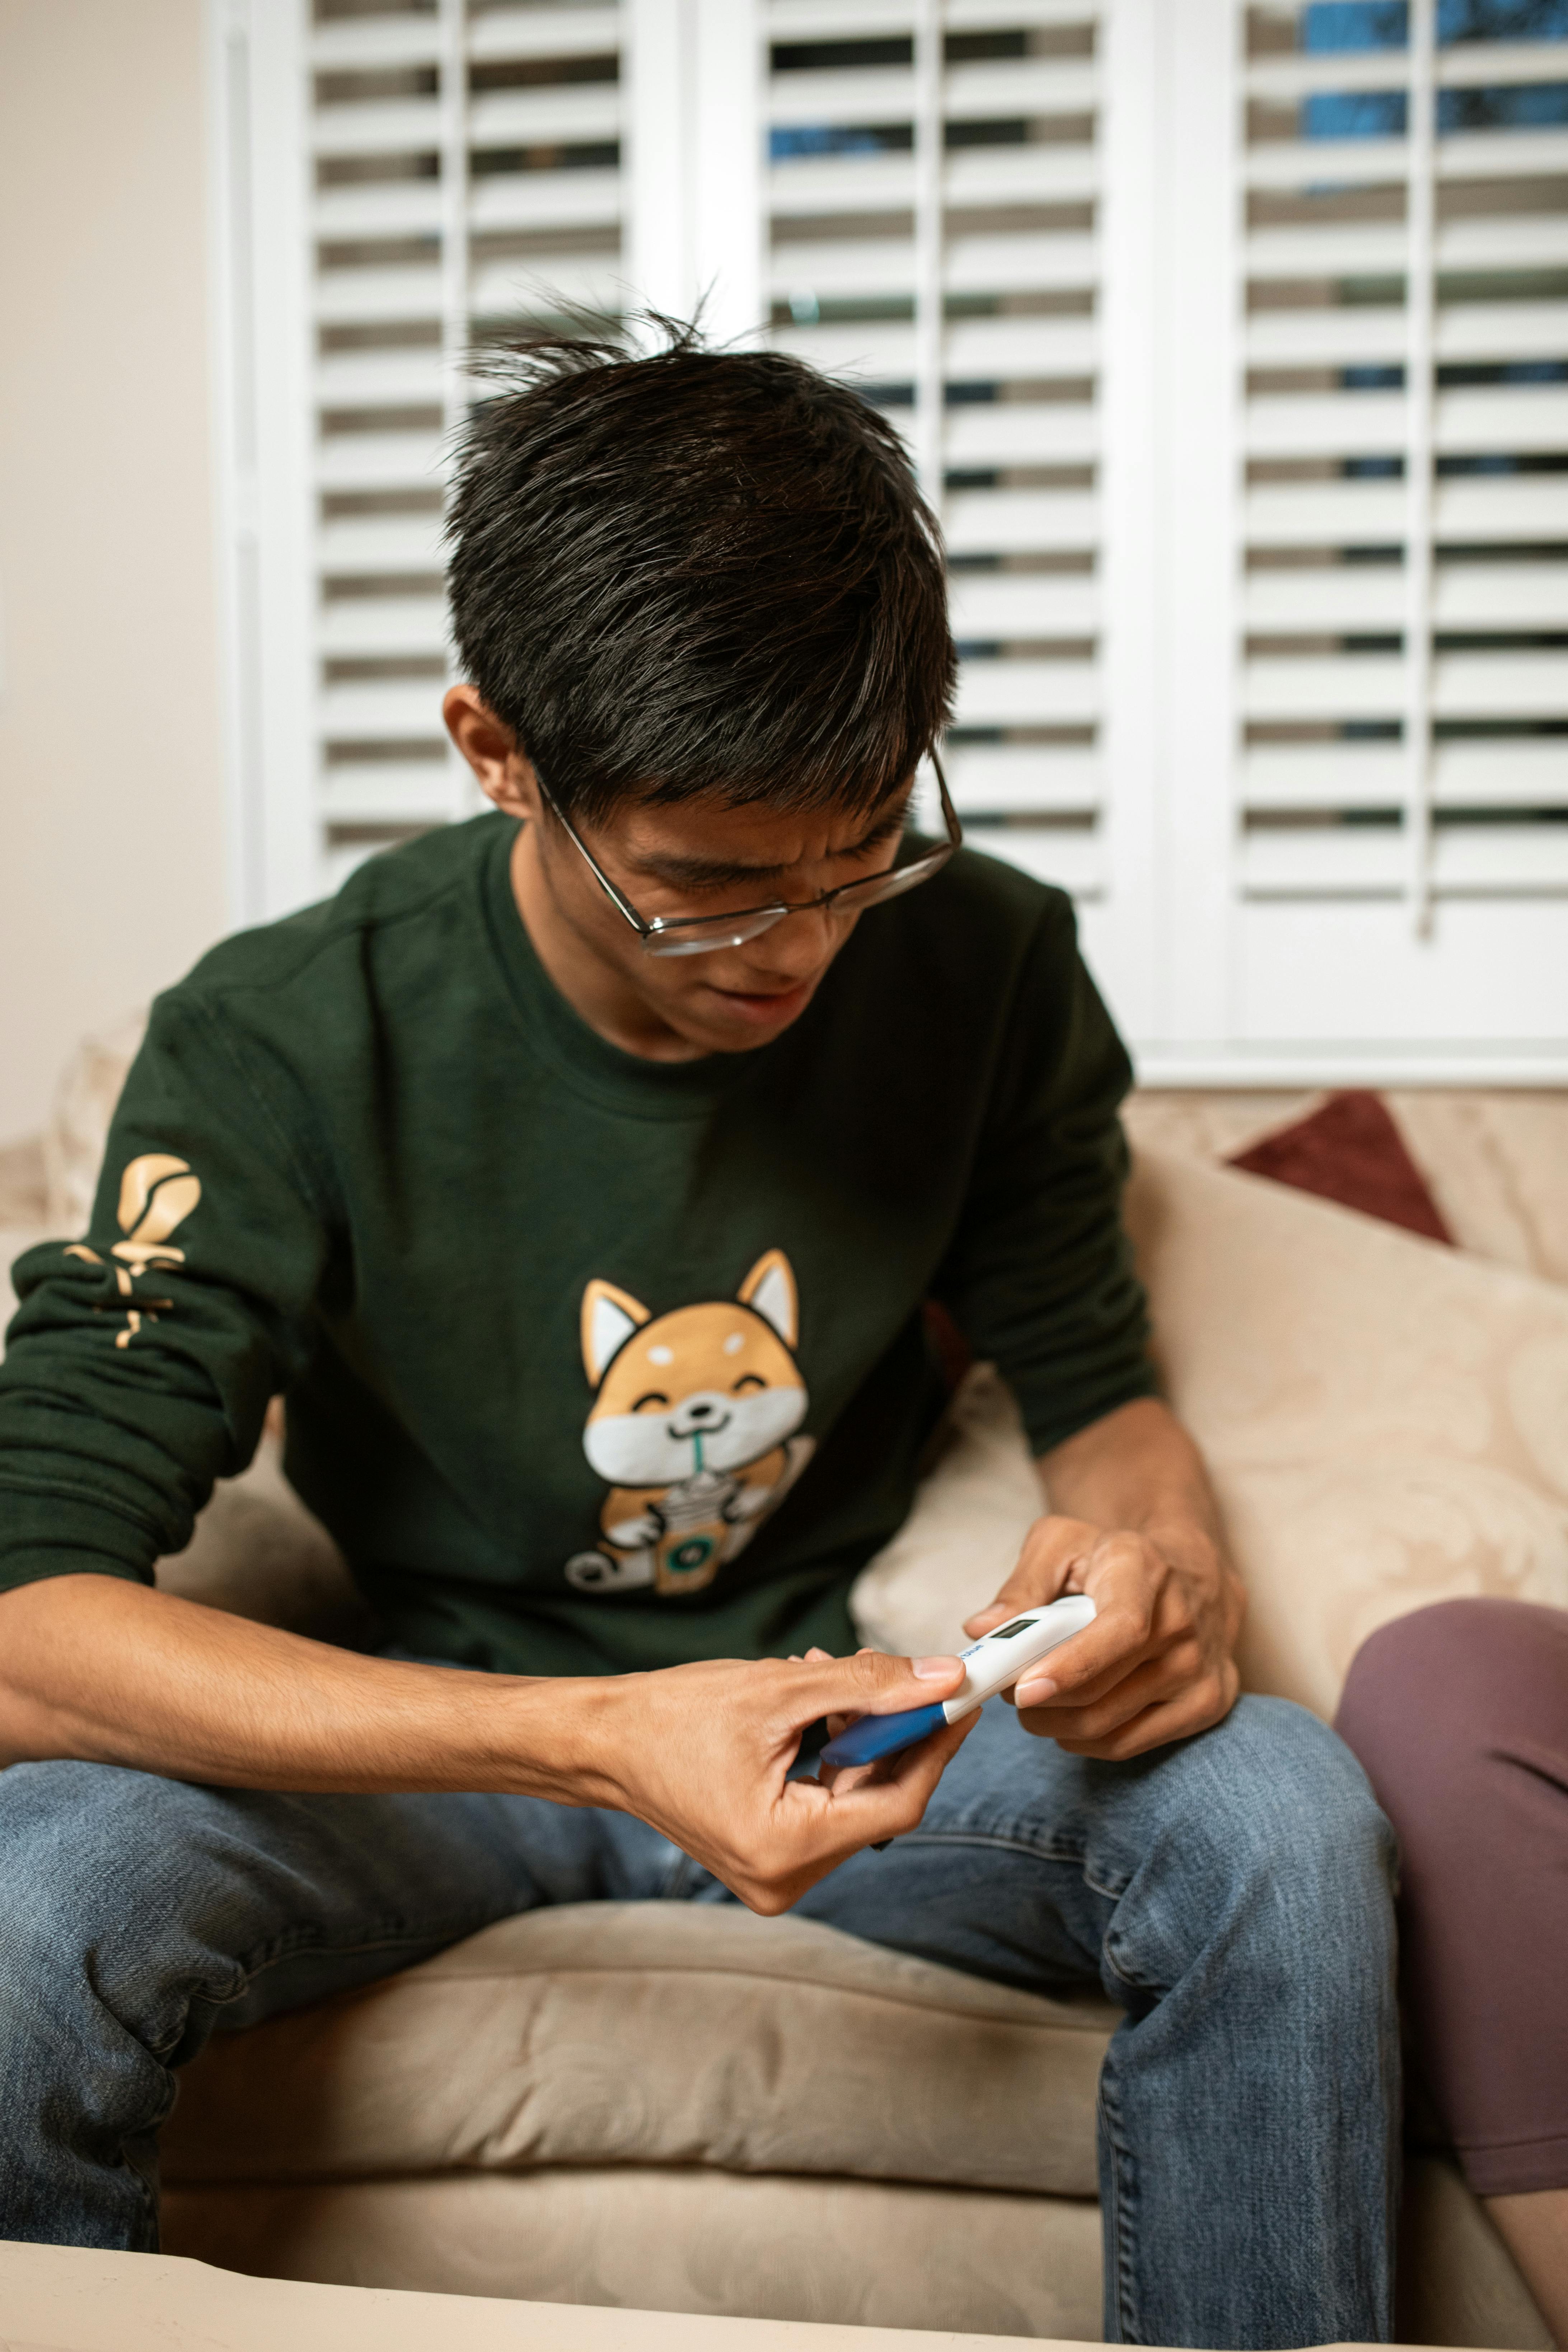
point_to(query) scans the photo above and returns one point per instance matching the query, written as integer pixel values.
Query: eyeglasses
(684, 935)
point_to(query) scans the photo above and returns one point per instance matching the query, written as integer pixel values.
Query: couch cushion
(657, 2034)
(851, 2252)
(1351, 1151)
(680, 2238)
(1491, 1157)
(1386, 1421)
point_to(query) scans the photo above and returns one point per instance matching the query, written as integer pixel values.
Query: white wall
(112, 875)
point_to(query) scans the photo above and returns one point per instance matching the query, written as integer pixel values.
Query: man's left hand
(1157, 1664)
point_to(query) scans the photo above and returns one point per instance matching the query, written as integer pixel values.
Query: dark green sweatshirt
(590, 1362)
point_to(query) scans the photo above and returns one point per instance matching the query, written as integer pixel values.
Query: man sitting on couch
(578, 1175)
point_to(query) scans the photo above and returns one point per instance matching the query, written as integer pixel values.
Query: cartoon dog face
(705, 1388)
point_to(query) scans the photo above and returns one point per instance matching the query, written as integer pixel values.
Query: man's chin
(735, 1019)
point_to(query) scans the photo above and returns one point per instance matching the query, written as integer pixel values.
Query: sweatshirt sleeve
(1039, 1277)
(141, 1360)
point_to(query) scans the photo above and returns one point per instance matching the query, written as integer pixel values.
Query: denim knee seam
(998, 1841)
(438, 1936)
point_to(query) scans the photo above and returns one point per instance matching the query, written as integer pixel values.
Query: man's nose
(797, 947)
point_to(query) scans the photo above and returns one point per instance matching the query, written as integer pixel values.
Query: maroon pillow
(1351, 1152)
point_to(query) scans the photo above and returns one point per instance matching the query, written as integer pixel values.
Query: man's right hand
(703, 1752)
(95, 1668)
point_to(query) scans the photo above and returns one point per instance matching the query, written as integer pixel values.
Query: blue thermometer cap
(871, 1735)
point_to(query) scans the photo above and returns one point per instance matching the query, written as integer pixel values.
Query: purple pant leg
(1459, 1716)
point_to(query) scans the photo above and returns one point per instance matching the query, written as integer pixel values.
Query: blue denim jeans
(1232, 1894)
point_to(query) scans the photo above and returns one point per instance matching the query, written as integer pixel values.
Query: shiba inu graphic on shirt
(694, 1426)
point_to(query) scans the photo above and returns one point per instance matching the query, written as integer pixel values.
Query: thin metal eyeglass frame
(651, 933)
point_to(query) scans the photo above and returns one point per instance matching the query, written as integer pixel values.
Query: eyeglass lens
(698, 938)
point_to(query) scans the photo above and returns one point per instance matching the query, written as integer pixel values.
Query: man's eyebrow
(714, 873)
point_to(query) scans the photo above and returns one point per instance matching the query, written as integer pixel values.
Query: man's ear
(488, 744)
(609, 1317)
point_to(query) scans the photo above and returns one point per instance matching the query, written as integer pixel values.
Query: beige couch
(700, 2111)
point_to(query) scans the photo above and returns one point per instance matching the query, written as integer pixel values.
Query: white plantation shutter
(931, 214)
(429, 173)
(467, 172)
(1403, 785)
(1231, 343)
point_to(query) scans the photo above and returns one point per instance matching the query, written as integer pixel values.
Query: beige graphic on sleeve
(693, 1426)
(157, 1193)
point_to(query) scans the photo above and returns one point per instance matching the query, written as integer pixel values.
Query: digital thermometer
(993, 1663)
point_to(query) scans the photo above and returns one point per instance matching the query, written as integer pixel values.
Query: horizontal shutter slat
(1351, 335)
(1022, 777)
(1524, 417)
(405, 126)
(1065, 171)
(385, 712)
(877, 95)
(379, 461)
(805, 185)
(384, 624)
(1022, 347)
(396, 792)
(363, 44)
(350, 296)
(1359, 861)
(1500, 686)
(528, 200)
(543, 32)
(1015, 433)
(556, 115)
(1022, 264)
(1299, 76)
(1519, 775)
(1069, 857)
(1361, 249)
(1022, 85)
(846, 20)
(1020, 605)
(379, 546)
(1466, 64)
(1500, 774)
(1320, 514)
(1303, 686)
(885, 94)
(370, 379)
(1324, 860)
(1021, 522)
(1372, 685)
(1499, 331)
(1027, 693)
(519, 288)
(1463, 155)
(1339, 596)
(395, 209)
